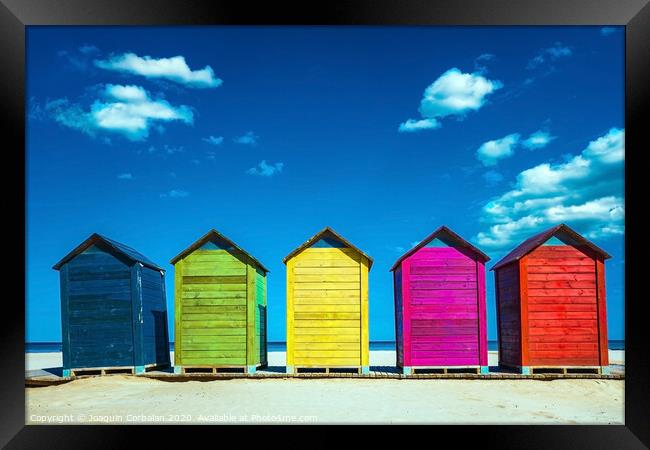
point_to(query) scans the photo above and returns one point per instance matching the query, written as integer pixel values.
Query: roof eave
(432, 236)
(312, 239)
(205, 238)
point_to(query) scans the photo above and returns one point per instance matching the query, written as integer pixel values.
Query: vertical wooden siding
(99, 310)
(154, 309)
(260, 317)
(562, 307)
(324, 308)
(443, 309)
(213, 309)
(399, 328)
(508, 311)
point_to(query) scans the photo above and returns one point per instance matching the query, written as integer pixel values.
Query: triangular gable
(110, 246)
(216, 244)
(442, 237)
(327, 237)
(329, 241)
(215, 240)
(562, 232)
(554, 241)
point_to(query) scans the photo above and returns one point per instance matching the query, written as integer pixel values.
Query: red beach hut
(440, 311)
(550, 295)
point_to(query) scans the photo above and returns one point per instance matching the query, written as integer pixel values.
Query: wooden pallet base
(566, 370)
(560, 370)
(329, 370)
(191, 370)
(441, 370)
(128, 370)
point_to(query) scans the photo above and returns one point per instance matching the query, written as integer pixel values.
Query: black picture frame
(15, 15)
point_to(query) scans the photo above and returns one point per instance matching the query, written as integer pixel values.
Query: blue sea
(50, 347)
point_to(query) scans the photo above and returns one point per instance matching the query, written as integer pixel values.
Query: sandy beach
(132, 400)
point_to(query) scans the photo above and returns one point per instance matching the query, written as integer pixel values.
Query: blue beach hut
(113, 309)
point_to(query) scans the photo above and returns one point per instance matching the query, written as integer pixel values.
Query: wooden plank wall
(508, 311)
(260, 317)
(443, 309)
(562, 307)
(399, 316)
(155, 337)
(324, 308)
(212, 314)
(99, 310)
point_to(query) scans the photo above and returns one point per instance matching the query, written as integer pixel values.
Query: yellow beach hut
(327, 304)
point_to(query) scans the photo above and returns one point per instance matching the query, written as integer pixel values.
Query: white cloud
(266, 170)
(550, 54)
(586, 191)
(174, 69)
(127, 110)
(492, 177)
(453, 93)
(479, 62)
(125, 176)
(249, 138)
(166, 149)
(417, 125)
(538, 139)
(213, 140)
(175, 193)
(490, 152)
(606, 31)
(88, 49)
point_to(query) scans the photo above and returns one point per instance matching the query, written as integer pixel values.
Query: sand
(132, 400)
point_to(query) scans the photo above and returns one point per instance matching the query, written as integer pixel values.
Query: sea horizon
(49, 347)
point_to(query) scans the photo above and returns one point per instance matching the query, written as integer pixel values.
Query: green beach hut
(219, 307)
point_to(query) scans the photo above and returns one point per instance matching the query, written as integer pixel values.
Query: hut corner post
(290, 316)
(65, 326)
(406, 317)
(178, 295)
(482, 319)
(136, 306)
(523, 304)
(251, 307)
(365, 337)
(601, 305)
(164, 302)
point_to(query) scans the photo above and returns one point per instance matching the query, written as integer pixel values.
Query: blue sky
(153, 135)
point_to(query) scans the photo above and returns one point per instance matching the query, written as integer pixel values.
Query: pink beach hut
(440, 307)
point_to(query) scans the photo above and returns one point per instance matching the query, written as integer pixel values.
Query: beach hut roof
(214, 234)
(317, 236)
(124, 250)
(441, 231)
(532, 243)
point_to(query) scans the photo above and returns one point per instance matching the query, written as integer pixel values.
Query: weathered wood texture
(442, 307)
(113, 311)
(219, 296)
(509, 314)
(399, 316)
(220, 306)
(562, 314)
(551, 305)
(327, 307)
